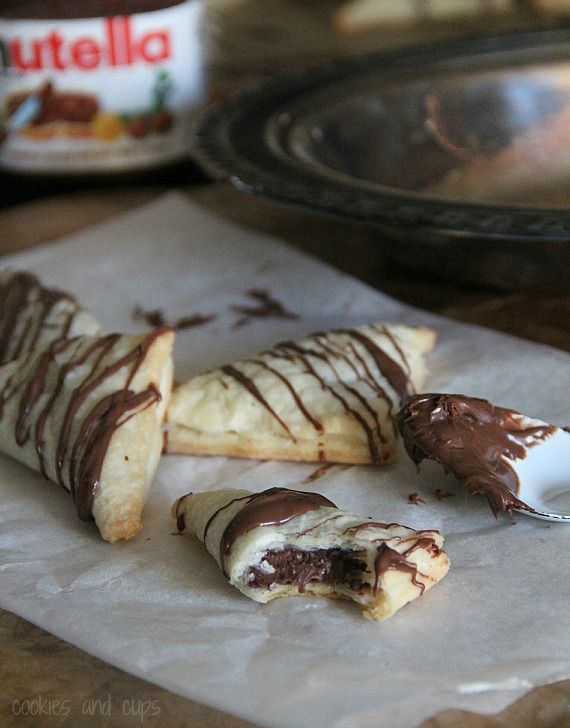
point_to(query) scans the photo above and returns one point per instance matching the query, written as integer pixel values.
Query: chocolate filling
(324, 566)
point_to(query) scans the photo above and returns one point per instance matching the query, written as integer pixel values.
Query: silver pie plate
(459, 154)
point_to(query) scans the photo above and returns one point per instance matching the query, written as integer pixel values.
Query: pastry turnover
(31, 315)
(284, 542)
(330, 397)
(86, 412)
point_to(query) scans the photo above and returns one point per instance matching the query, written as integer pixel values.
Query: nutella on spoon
(516, 462)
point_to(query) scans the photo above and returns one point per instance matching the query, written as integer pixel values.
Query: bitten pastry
(331, 397)
(86, 412)
(31, 315)
(283, 542)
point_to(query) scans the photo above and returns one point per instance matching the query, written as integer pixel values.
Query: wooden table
(37, 666)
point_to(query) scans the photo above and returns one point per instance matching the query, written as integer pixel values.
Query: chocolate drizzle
(20, 323)
(396, 376)
(265, 306)
(298, 401)
(326, 359)
(474, 440)
(157, 319)
(270, 507)
(88, 446)
(303, 354)
(93, 441)
(388, 559)
(374, 385)
(318, 473)
(251, 387)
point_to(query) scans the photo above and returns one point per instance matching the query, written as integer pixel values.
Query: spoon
(518, 463)
(25, 113)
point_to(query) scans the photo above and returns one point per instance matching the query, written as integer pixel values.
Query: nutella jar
(98, 87)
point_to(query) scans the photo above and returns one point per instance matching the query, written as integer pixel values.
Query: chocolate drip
(84, 472)
(380, 391)
(474, 440)
(387, 367)
(298, 401)
(32, 392)
(216, 513)
(320, 524)
(366, 525)
(270, 507)
(396, 344)
(9, 391)
(303, 355)
(93, 441)
(249, 384)
(318, 473)
(90, 383)
(192, 321)
(388, 559)
(155, 317)
(363, 401)
(265, 307)
(14, 300)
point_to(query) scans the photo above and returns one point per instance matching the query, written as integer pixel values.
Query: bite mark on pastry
(283, 542)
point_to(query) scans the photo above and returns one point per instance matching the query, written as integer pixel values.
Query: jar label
(100, 94)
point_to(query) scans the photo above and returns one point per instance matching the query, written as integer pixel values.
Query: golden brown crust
(232, 445)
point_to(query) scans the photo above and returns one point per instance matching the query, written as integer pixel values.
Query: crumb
(414, 499)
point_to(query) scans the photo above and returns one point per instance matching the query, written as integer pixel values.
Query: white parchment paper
(158, 607)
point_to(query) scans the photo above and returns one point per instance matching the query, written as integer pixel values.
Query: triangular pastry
(283, 542)
(86, 412)
(331, 397)
(31, 315)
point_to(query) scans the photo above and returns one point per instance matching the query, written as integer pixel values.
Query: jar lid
(69, 9)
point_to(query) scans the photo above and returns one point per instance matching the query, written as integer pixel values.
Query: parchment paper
(158, 607)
